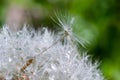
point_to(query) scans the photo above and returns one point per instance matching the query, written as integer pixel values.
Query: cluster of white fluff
(43, 55)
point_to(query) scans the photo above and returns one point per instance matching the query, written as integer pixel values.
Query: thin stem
(30, 61)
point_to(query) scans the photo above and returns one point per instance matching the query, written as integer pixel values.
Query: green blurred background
(97, 22)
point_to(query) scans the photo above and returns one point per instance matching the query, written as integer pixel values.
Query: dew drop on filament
(10, 60)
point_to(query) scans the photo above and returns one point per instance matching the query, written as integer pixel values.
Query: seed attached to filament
(26, 65)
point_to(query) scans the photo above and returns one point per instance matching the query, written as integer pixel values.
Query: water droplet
(69, 52)
(53, 66)
(10, 60)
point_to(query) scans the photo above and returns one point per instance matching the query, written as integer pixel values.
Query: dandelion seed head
(43, 56)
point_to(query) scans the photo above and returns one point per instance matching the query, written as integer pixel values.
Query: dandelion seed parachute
(42, 56)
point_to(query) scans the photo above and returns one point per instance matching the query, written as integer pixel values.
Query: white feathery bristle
(43, 56)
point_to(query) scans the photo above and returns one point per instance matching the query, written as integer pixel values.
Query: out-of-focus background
(97, 22)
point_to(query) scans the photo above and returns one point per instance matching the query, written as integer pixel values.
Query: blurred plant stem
(19, 13)
(16, 16)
